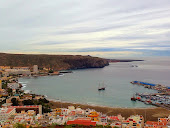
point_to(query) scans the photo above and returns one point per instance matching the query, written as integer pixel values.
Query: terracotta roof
(114, 118)
(31, 106)
(81, 122)
(155, 123)
(9, 110)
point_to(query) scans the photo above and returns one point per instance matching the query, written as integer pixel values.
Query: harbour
(159, 99)
(116, 76)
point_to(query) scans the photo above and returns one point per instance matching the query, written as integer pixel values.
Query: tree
(33, 96)
(9, 90)
(14, 102)
(43, 100)
(17, 125)
(51, 71)
(28, 102)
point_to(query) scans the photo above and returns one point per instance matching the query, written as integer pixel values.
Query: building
(21, 68)
(36, 108)
(23, 118)
(3, 92)
(31, 112)
(154, 124)
(0, 84)
(5, 113)
(94, 116)
(17, 72)
(82, 121)
(135, 121)
(4, 67)
(13, 85)
(35, 69)
(6, 105)
(72, 108)
(80, 112)
(58, 111)
(162, 123)
(116, 118)
(164, 120)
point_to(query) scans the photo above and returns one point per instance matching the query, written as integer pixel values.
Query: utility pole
(145, 115)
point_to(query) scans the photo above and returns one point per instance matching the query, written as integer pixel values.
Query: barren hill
(55, 62)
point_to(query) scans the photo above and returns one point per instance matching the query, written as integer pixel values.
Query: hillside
(55, 62)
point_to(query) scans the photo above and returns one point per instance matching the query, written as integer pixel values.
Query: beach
(151, 114)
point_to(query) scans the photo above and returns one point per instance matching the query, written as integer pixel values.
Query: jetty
(160, 99)
(160, 88)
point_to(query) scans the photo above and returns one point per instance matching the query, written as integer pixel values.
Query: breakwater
(160, 99)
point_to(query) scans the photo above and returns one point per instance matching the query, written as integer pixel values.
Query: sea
(82, 85)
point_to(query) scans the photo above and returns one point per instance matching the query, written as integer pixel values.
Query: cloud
(85, 26)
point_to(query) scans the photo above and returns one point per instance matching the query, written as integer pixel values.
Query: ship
(133, 98)
(101, 88)
(134, 66)
(148, 101)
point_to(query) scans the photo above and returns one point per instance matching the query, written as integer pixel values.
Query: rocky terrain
(55, 62)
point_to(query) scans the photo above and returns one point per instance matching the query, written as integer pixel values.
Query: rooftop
(29, 106)
(82, 121)
(6, 110)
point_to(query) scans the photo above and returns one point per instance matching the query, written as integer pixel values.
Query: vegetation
(18, 125)
(51, 71)
(4, 84)
(45, 107)
(14, 102)
(55, 62)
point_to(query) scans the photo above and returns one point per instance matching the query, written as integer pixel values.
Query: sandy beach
(151, 114)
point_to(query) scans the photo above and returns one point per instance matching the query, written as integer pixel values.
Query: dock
(160, 99)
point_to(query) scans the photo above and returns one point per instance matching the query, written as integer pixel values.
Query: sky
(104, 28)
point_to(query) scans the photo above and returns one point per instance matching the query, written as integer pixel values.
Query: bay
(81, 86)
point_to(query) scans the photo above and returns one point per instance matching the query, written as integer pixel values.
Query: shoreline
(95, 105)
(151, 114)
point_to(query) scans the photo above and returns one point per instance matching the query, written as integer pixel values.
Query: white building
(35, 69)
(0, 84)
(136, 121)
(21, 68)
(18, 71)
(23, 118)
(5, 113)
(13, 85)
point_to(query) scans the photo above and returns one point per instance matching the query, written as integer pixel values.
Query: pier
(160, 99)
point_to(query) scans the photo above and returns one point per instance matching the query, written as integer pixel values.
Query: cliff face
(56, 62)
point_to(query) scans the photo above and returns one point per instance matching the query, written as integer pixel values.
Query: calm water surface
(81, 86)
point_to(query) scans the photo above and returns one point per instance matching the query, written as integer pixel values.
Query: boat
(134, 66)
(133, 98)
(101, 88)
(148, 101)
(138, 98)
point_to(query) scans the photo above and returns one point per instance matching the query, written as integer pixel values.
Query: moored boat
(101, 88)
(133, 98)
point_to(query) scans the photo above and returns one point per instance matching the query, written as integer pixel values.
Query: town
(23, 109)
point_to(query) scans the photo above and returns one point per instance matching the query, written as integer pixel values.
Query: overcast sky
(106, 28)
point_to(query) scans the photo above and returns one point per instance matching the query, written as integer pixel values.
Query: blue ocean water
(81, 86)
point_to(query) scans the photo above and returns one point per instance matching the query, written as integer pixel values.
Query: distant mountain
(122, 60)
(55, 62)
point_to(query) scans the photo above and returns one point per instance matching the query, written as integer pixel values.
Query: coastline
(151, 114)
